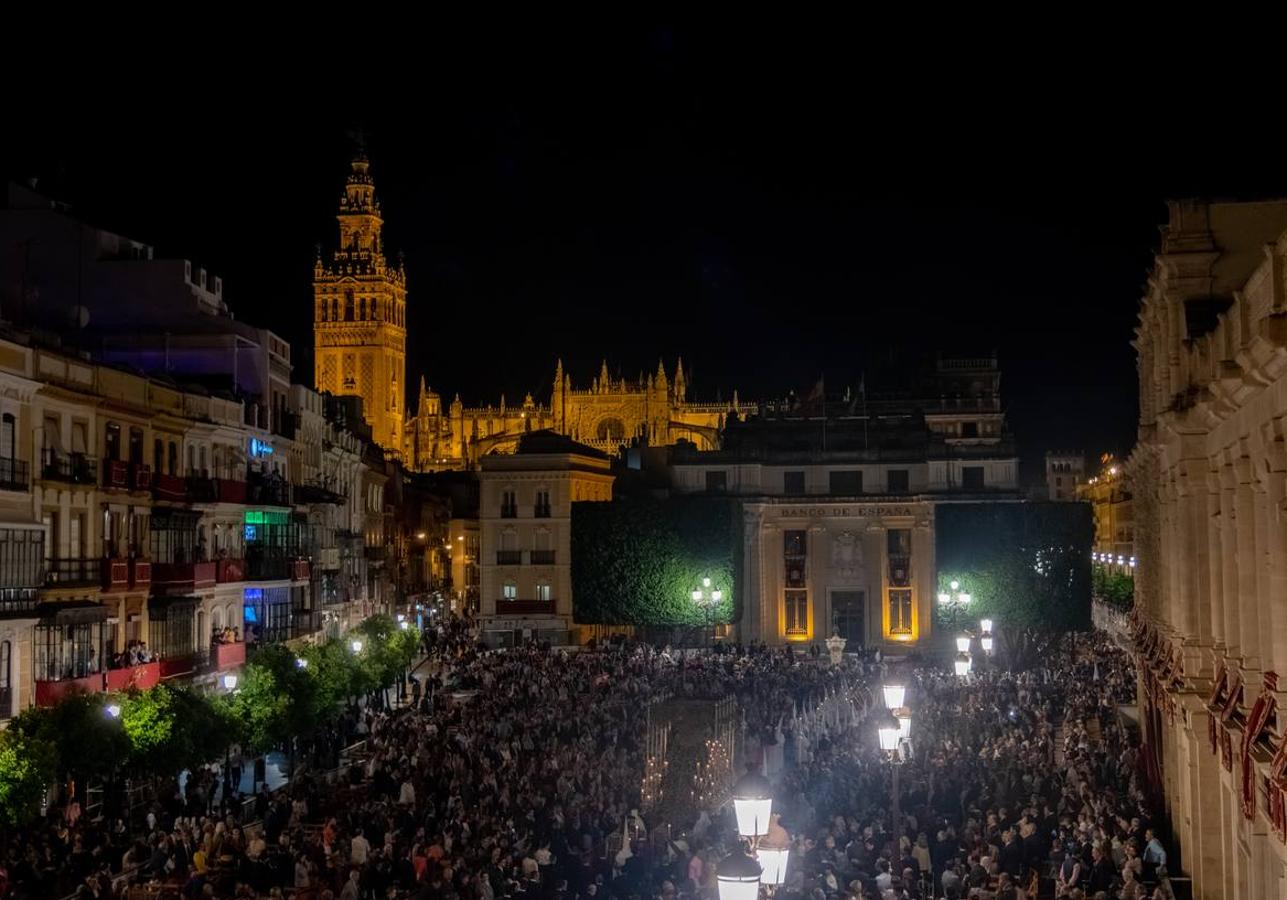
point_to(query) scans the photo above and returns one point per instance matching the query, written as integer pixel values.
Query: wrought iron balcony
(72, 468)
(509, 557)
(72, 572)
(14, 475)
(543, 557)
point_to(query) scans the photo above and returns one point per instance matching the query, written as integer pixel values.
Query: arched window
(611, 430)
(216, 620)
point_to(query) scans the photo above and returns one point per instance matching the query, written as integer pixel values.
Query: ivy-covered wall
(636, 560)
(1026, 565)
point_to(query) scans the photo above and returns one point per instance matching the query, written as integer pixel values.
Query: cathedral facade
(359, 314)
(360, 349)
(609, 413)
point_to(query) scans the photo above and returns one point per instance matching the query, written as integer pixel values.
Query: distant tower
(359, 314)
(1064, 471)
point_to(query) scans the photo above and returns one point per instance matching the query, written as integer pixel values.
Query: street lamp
(985, 639)
(113, 710)
(404, 625)
(773, 861)
(738, 877)
(708, 598)
(229, 682)
(955, 601)
(962, 665)
(963, 643)
(894, 695)
(752, 805)
(301, 663)
(893, 735)
(356, 646)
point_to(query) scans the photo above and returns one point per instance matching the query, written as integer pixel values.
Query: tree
(260, 709)
(28, 766)
(637, 560)
(172, 728)
(88, 742)
(1025, 565)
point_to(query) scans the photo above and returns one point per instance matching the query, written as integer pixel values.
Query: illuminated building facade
(1209, 477)
(839, 501)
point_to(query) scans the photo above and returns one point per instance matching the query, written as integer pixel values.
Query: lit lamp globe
(954, 585)
(945, 598)
(962, 664)
(738, 877)
(964, 598)
(985, 625)
(986, 642)
(752, 805)
(894, 695)
(697, 595)
(773, 862)
(888, 735)
(904, 717)
(963, 644)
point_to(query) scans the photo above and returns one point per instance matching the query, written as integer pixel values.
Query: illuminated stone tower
(359, 314)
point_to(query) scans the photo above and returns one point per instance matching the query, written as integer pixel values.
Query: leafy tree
(89, 743)
(173, 728)
(330, 665)
(637, 560)
(1117, 589)
(260, 709)
(28, 766)
(1025, 565)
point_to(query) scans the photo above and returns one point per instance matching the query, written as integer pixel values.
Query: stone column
(1248, 613)
(1229, 550)
(1215, 559)
(752, 620)
(924, 589)
(819, 602)
(770, 582)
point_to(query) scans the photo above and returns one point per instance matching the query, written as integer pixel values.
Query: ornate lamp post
(752, 805)
(954, 601)
(985, 637)
(894, 737)
(708, 598)
(738, 877)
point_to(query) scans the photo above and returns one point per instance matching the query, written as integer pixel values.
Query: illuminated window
(900, 611)
(543, 593)
(510, 591)
(797, 612)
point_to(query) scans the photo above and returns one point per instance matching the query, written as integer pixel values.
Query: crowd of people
(516, 774)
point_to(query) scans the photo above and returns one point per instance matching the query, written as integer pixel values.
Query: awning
(75, 612)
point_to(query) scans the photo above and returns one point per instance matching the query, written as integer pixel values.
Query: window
(112, 443)
(898, 481)
(509, 504)
(846, 483)
(1059, 482)
(899, 551)
(542, 510)
(969, 429)
(972, 478)
(797, 612)
(158, 455)
(136, 446)
(543, 593)
(6, 679)
(172, 466)
(900, 611)
(7, 442)
(509, 591)
(793, 483)
(717, 481)
(795, 557)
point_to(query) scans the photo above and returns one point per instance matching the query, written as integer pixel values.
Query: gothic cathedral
(359, 314)
(360, 349)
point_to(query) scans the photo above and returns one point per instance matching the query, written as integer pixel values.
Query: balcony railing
(227, 656)
(524, 607)
(14, 474)
(170, 487)
(183, 576)
(304, 622)
(375, 552)
(72, 468)
(267, 491)
(509, 512)
(140, 573)
(300, 570)
(229, 491)
(116, 574)
(265, 568)
(17, 603)
(228, 571)
(140, 477)
(541, 511)
(72, 572)
(509, 557)
(116, 474)
(543, 557)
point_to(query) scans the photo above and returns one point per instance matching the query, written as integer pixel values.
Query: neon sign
(260, 449)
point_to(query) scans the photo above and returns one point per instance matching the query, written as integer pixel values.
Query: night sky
(768, 209)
